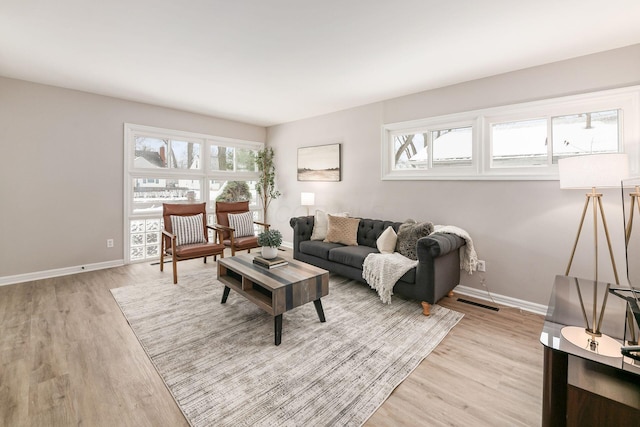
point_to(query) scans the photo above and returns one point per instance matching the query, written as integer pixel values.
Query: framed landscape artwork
(319, 163)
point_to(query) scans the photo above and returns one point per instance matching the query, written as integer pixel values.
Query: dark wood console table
(582, 387)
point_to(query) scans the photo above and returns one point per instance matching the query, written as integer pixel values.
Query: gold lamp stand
(596, 200)
(634, 202)
(627, 236)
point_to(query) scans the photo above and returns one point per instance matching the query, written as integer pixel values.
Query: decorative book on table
(270, 263)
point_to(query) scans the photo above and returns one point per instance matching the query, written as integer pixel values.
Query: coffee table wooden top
(275, 290)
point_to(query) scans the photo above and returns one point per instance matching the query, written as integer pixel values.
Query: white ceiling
(274, 61)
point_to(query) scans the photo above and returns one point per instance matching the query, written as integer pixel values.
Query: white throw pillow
(242, 224)
(321, 224)
(386, 243)
(188, 229)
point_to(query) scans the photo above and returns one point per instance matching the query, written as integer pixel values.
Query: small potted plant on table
(270, 240)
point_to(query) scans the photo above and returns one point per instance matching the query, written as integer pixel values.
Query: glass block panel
(586, 133)
(137, 226)
(137, 253)
(137, 239)
(153, 225)
(518, 144)
(153, 238)
(153, 251)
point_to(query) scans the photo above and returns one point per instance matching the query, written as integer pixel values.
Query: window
(517, 144)
(587, 133)
(153, 153)
(426, 149)
(166, 166)
(522, 141)
(451, 147)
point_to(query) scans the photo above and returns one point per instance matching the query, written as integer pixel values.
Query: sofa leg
(426, 308)
(450, 294)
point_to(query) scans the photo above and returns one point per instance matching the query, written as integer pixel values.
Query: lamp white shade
(307, 199)
(594, 170)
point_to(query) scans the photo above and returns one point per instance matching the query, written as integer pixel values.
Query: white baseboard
(502, 299)
(38, 275)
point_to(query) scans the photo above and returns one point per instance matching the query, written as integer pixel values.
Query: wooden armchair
(185, 235)
(239, 234)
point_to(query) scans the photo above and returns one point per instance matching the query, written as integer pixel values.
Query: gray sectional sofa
(437, 272)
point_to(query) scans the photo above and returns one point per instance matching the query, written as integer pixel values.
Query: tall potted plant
(266, 185)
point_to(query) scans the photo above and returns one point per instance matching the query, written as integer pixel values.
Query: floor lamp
(592, 172)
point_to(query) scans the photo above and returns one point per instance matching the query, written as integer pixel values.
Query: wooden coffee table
(276, 290)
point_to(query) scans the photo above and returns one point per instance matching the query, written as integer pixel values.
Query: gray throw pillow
(408, 235)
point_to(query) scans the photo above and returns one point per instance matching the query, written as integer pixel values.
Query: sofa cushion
(321, 223)
(408, 235)
(342, 230)
(316, 248)
(351, 255)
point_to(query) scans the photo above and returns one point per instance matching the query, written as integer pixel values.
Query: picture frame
(320, 163)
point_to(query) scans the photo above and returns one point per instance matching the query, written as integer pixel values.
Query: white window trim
(625, 99)
(204, 175)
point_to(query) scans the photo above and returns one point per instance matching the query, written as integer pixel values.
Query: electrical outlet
(482, 266)
(109, 243)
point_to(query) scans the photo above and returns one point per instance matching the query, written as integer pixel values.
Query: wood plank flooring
(68, 357)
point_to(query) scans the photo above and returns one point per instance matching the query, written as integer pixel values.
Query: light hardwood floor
(68, 357)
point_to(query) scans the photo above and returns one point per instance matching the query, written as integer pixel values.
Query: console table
(582, 387)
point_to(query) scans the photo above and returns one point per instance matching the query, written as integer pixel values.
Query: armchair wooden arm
(218, 233)
(264, 224)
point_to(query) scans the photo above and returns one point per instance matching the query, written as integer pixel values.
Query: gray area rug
(223, 369)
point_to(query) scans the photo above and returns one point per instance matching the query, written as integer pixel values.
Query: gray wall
(523, 229)
(61, 179)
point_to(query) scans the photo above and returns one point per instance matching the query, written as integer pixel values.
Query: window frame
(205, 174)
(626, 100)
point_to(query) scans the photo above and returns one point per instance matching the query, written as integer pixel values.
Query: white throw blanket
(382, 271)
(468, 256)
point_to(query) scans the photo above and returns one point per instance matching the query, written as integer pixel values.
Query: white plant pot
(269, 252)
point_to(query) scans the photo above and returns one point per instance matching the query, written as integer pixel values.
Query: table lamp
(592, 172)
(307, 199)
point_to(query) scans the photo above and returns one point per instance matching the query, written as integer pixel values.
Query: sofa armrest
(302, 229)
(438, 270)
(438, 244)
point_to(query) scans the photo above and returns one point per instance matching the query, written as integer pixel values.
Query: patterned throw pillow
(188, 229)
(242, 223)
(408, 235)
(343, 230)
(321, 223)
